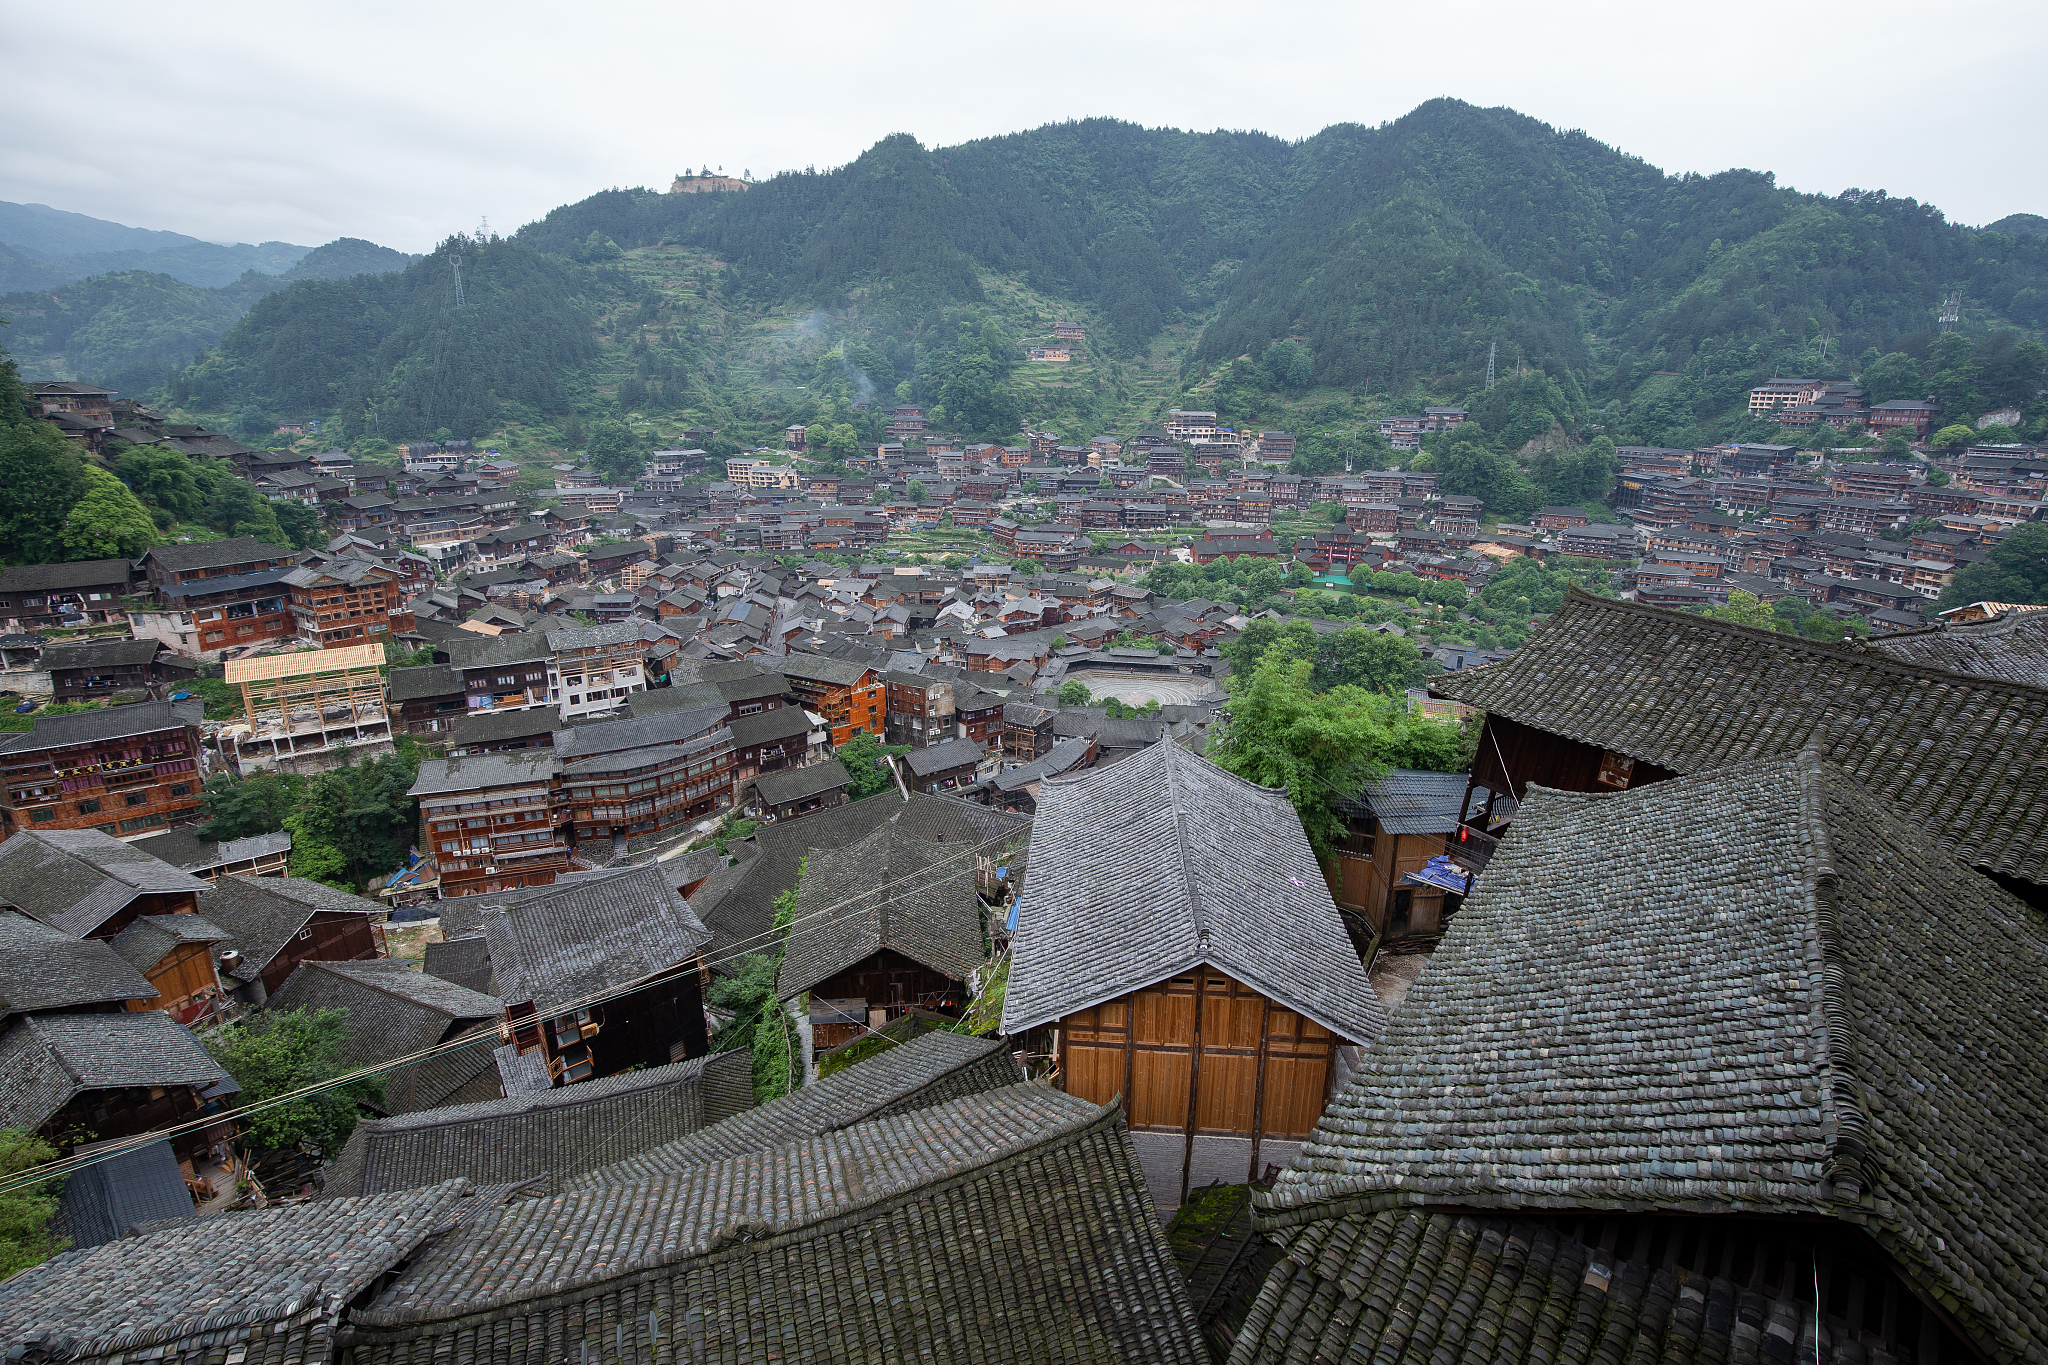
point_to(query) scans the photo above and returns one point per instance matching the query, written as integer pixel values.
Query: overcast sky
(404, 122)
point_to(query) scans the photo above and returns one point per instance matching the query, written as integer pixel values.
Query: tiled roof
(106, 722)
(797, 784)
(1063, 756)
(588, 637)
(430, 680)
(465, 961)
(740, 901)
(150, 938)
(185, 850)
(475, 772)
(262, 914)
(1759, 990)
(45, 1059)
(1142, 870)
(2013, 647)
(78, 879)
(102, 654)
(1014, 1226)
(1962, 755)
(557, 1133)
(1409, 801)
(818, 668)
(638, 732)
(577, 939)
(44, 968)
(892, 890)
(493, 727)
(394, 1011)
(929, 1070)
(784, 722)
(939, 758)
(84, 573)
(269, 1285)
(1385, 1285)
(215, 554)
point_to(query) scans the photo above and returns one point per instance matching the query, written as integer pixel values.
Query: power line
(36, 1175)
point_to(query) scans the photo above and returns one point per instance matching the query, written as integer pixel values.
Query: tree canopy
(2015, 571)
(277, 1052)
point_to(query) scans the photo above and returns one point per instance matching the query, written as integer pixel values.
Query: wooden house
(891, 923)
(554, 949)
(1393, 828)
(1610, 695)
(44, 970)
(257, 855)
(275, 923)
(89, 884)
(791, 792)
(395, 1012)
(73, 1078)
(175, 952)
(1176, 945)
(1704, 1062)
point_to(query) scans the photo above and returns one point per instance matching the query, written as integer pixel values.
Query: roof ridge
(1180, 843)
(1864, 655)
(1845, 1124)
(381, 987)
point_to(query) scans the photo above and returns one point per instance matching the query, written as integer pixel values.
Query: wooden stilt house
(1176, 944)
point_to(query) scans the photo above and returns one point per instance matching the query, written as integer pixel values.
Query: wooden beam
(1187, 1155)
(1259, 1088)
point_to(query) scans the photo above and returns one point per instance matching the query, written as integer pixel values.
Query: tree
(165, 481)
(1320, 746)
(1074, 692)
(1747, 609)
(862, 757)
(1289, 365)
(40, 480)
(1467, 466)
(1892, 376)
(1374, 661)
(1953, 437)
(277, 1052)
(2015, 571)
(614, 451)
(915, 490)
(25, 1213)
(107, 522)
(238, 807)
(300, 524)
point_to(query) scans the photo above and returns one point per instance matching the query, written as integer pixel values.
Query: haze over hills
(42, 247)
(1312, 284)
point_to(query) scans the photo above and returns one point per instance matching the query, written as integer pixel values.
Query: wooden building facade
(1176, 945)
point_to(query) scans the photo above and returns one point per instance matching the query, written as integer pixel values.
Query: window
(305, 935)
(181, 789)
(88, 807)
(42, 816)
(137, 798)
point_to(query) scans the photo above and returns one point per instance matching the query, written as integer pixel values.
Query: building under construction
(308, 712)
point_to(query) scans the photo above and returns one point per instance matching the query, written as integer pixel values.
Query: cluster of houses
(1661, 1039)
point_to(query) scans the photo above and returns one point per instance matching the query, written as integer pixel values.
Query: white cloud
(405, 122)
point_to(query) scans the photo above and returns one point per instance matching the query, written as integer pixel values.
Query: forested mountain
(131, 330)
(1311, 284)
(46, 247)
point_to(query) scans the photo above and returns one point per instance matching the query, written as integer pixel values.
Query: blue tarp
(1442, 873)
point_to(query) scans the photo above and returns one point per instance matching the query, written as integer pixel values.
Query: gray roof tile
(45, 1059)
(78, 879)
(576, 939)
(1757, 990)
(558, 1133)
(1963, 754)
(44, 968)
(1142, 870)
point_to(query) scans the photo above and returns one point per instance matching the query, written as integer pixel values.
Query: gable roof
(45, 1059)
(930, 1069)
(588, 935)
(214, 554)
(101, 654)
(83, 573)
(106, 722)
(150, 938)
(187, 851)
(1965, 756)
(78, 879)
(272, 1283)
(44, 968)
(556, 1133)
(1145, 869)
(394, 1011)
(797, 784)
(740, 901)
(129, 1185)
(466, 961)
(943, 757)
(1800, 1024)
(2012, 646)
(952, 1234)
(262, 914)
(893, 890)
(1412, 801)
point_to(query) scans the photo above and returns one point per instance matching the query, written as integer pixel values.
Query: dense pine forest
(1311, 285)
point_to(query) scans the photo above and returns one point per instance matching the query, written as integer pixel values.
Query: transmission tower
(1491, 351)
(456, 257)
(483, 230)
(1951, 310)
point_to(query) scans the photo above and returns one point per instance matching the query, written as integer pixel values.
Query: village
(826, 933)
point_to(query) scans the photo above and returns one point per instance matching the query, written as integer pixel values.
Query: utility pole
(1951, 311)
(1491, 351)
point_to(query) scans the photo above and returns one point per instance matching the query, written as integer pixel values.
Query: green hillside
(1312, 285)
